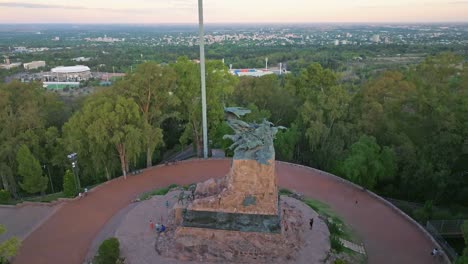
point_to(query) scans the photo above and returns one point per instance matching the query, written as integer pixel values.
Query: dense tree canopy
(27, 117)
(402, 133)
(367, 163)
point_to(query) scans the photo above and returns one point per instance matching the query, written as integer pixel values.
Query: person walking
(151, 225)
(311, 223)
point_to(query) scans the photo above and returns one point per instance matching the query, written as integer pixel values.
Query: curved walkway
(66, 236)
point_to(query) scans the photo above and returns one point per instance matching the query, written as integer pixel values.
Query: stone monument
(246, 199)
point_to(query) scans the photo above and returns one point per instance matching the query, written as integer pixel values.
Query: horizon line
(237, 23)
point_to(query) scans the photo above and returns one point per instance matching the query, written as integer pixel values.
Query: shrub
(162, 191)
(336, 244)
(334, 228)
(172, 186)
(284, 191)
(425, 213)
(8, 248)
(69, 185)
(339, 261)
(4, 196)
(109, 252)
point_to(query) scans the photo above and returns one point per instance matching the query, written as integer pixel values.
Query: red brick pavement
(67, 235)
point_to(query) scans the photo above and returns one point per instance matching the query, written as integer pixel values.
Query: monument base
(232, 221)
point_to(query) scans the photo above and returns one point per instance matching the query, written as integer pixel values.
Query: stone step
(354, 247)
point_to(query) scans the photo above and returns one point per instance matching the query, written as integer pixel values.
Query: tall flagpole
(203, 82)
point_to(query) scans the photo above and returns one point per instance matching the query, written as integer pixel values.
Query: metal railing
(449, 251)
(448, 227)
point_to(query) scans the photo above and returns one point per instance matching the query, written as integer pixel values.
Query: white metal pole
(203, 81)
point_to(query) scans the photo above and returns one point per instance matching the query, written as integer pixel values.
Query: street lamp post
(203, 81)
(74, 159)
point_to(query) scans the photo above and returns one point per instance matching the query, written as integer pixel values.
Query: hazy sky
(247, 11)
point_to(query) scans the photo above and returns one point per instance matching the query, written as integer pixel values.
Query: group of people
(83, 194)
(158, 227)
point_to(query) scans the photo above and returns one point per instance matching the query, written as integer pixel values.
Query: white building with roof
(69, 73)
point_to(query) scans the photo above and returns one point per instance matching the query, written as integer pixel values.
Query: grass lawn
(336, 226)
(44, 199)
(160, 191)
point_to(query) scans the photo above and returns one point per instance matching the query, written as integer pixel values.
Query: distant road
(67, 235)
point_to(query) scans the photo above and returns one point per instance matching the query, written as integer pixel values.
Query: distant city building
(20, 49)
(250, 72)
(105, 39)
(25, 50)
(8, 65)
(34, 65)
(375, 38)
(259, 72)
(37, 49)
(81, 59)
(336, 42)
(386, 40)
(56, 39)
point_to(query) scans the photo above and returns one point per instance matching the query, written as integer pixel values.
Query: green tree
(323, 106)
(95, 158)
(6, 176)
(463, 259)
(152, 88)
(219, 84)
(367, 163)
(8, 248)
(30, 171)
(268, 96)
(4, 196)
(69, 184)
(286, 143)
(21, 122)
(424, 214)
(111, 123)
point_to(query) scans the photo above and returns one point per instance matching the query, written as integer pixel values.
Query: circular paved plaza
(66, 236)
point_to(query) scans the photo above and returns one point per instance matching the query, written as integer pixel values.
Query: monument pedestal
(244, 200)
